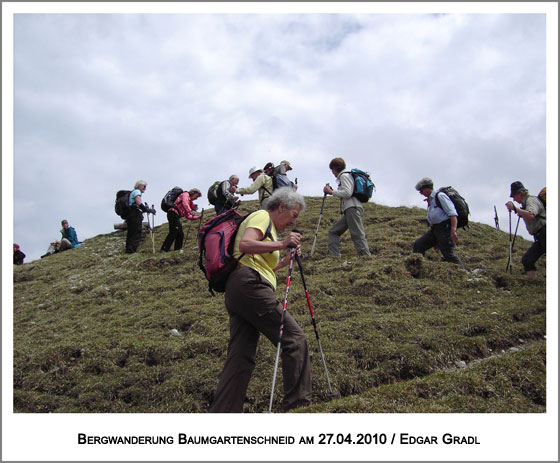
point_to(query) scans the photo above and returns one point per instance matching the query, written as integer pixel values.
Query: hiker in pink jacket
(184, 207)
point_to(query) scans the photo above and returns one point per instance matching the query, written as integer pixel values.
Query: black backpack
(271, 171)
(214, 192)
(121, 203)
(168, 200)
(459, 202)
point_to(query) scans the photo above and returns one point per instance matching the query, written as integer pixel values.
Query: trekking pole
(331, 393)
(510, 246)
(496, 221)
(283, 320)
(318, 223)
(150, 227)
(188, 230)
(200, 222)
(153, 226)
(515, 234)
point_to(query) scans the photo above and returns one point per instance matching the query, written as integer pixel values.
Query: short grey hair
(140, 183)
(286, 196)
(425, 183)
(233, 177)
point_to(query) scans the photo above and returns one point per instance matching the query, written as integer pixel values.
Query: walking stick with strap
(150, 227)
(508, 266)
(200, 222)
(318, 223)
(283, 320)
(331, 393)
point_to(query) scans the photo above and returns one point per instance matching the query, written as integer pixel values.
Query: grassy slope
(92, 326)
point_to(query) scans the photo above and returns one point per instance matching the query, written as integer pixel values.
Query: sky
(104, 95)
(103, 100)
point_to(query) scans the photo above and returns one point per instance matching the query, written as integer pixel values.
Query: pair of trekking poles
(294, 256)
(199, 223)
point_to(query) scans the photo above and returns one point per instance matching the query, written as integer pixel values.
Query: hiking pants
(537, 249)
(351, 219)
(175, 233)
(133, 230)
(440, 235)
(253, 309)
(221, 207)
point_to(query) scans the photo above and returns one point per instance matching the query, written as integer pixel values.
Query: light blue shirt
(438, 214)
(133, 195)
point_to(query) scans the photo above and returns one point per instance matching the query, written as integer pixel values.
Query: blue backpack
(363, 186)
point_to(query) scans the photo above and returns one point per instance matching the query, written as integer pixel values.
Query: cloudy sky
(103, 100)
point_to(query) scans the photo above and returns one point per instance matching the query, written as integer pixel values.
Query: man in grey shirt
(533, 213)
(352, 212)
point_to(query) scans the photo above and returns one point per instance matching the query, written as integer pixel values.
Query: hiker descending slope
(533, 213)
(221, 194)
(261, 183)
(352, 211)
(254, 309)
(443, 220)
(183, 206)
(134, 216)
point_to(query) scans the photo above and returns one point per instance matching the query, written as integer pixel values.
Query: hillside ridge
(96, 330)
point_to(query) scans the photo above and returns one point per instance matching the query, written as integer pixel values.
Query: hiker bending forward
(254, 309)
(183, 207)
(533, 213)
(261, 183)
(442, 219)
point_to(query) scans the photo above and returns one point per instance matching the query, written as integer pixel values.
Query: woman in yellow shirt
(254, 309)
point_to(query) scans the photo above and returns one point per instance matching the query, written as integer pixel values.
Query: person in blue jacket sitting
(69, 237)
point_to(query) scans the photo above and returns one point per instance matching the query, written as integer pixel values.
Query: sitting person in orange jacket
(184, 207)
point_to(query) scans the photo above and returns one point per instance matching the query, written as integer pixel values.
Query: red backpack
(216, 239)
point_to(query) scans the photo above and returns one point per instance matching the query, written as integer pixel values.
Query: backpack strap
(268, 234)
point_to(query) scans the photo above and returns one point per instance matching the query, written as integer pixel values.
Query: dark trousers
(253, 309)
(175, 233)
(221, 207)
(133, 230)
(440, 235)
(537, 249)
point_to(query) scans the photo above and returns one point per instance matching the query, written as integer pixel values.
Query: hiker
(278, 175)
(282, 179)
(352, 212)
(262, 183)
(254, 309)
(533, 213)
(184, 207)
(442, 219)
(18, 255)
(225, 198)
(135, 216)
(69, 237)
